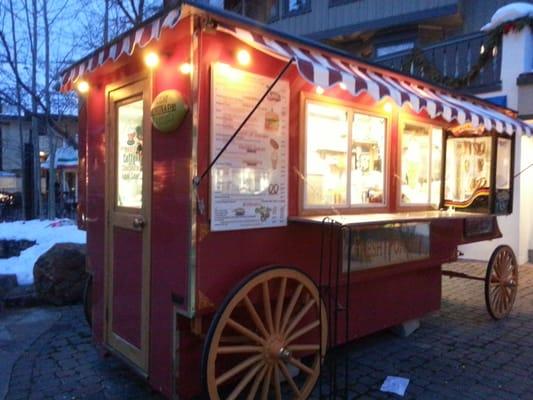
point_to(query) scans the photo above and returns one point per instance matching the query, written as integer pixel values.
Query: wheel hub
(275, 350)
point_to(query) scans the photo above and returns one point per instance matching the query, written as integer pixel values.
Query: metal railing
(452, 58)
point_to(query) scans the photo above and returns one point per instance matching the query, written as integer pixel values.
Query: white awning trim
(325, 71)
(140, 37)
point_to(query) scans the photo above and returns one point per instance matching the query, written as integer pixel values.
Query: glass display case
(478, 174)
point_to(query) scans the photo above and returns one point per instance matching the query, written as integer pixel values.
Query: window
(468, 170)
(294, 7)
(344, 162)
(391, 48)
(421, 155)
(129, 154)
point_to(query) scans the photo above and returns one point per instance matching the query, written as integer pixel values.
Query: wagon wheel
(501, 282)
(88, 299)
(268, 338)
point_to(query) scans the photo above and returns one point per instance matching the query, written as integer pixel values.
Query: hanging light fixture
(82, 86)
(151, 60)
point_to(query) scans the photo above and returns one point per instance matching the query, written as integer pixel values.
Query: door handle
(138, 222)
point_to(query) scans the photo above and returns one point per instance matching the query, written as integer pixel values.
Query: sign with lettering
(249, 181)
(168, 110)
(386, 245)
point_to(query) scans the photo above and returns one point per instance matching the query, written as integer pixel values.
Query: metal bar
(198, 179)
(347, 312)
(454, 274)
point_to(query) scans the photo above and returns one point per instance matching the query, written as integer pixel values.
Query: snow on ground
(46, 233)
(509, 13)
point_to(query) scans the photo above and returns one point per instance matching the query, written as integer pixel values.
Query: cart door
(128, 222)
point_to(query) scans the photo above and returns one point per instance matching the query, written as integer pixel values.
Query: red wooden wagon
(307, 198)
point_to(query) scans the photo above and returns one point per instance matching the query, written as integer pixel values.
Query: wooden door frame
(141, 88)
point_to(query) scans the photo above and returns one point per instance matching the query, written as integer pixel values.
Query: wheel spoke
(242, 384)
(303, 331)
(290, 307)
(299, 317)
(267, 306)
(301, 366)
(288, 377)
(303, 347)
(245, 331)
(277, 383)
(238, 368)
(257, 382)
(255, 317)
(234, 339)
(239, 349)
(266, 384)
(279, 305)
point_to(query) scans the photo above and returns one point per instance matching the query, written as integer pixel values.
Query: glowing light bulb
(151, 60)
(243, 57)
(185, 68)
(387, 107)
(319, 90)
(83, 86)
(342, 85)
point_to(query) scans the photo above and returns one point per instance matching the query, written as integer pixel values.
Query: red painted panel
(170, 219)
(95, 207)
(127, 285)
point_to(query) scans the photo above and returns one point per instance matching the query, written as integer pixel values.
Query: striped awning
(325, 70)
(123, 45)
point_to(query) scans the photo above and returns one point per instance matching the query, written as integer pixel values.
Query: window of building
(391, 48)
(294, 7)
(421, 164)
(344, 157)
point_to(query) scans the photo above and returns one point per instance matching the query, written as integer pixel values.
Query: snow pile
(509, 13)
(45, 233)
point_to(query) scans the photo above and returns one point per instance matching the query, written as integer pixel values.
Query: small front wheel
(501, 282)
(268, 338)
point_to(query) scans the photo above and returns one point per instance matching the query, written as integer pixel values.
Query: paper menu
(249, 181)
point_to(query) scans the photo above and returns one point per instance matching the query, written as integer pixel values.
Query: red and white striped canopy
(124, 44)
(325, 71)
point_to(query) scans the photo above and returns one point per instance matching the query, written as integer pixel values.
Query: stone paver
(63, 364)
(458, 353)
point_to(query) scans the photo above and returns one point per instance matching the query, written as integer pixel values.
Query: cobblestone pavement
(458, 353)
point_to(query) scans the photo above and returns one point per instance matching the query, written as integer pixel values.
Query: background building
(13, 169)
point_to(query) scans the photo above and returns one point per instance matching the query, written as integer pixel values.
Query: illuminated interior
(421, 159)
(334, 178)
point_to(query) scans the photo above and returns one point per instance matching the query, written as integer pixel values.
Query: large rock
(59, 274)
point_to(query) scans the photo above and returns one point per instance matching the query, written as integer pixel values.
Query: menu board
(249, 181)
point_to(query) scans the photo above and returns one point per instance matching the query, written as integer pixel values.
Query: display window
(344, 157)
(468, 169)
(421, 164)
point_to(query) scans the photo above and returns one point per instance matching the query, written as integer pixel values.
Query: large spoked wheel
(88, 300)
(501, 282)
(268, 338)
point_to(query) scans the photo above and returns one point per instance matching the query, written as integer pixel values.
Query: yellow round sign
(168, 110)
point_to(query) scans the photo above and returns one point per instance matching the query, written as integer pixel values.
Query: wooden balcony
(453, 59)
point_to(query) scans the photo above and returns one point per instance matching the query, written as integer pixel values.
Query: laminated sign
(249, 180)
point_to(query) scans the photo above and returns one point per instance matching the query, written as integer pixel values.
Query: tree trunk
(34, 121)
(19, 114)
(49, 131)
(106, 22)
